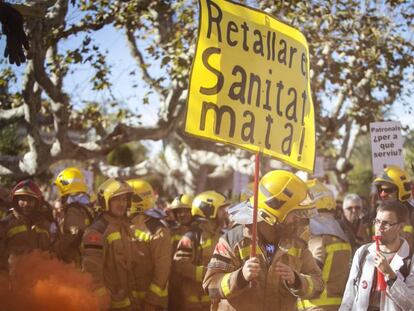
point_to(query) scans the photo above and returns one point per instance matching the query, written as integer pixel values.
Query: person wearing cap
(25, 228)
(351, 221)
(77, 214)
(108, 250)
(196, 247)
(395, 184)
(331, 249)
(154, 241)
(283, 269)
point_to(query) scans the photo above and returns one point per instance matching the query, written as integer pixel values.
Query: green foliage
(121, 156)
(10, 142)
(12, 145)
(409, 153)
(127, 155)
(360, 177)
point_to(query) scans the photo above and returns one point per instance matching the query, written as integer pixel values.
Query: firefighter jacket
(399, 295)
(20, 234)
(190, 265)
(155, 246)
(109, 255)
(408, 229)
(330, 247)
(76, 218)
(229, 290)
(174, 300)
(176, 234)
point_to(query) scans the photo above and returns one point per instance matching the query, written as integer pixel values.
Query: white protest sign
(386, 145)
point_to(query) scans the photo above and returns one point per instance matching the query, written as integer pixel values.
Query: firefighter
(77, 214)
(196, 248)
(181, 209)
(108, 247)
(283, 269)
(331, 249)
(151, 293)
(395, 184)
(25, 229)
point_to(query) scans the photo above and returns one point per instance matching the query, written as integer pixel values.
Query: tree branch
(137, 55)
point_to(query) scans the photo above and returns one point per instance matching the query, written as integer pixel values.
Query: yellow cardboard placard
(249, 84)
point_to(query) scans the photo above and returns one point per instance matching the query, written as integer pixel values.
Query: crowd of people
(196, 253)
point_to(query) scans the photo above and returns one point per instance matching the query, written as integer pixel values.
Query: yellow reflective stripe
(199, 273)
(310, 285)
(338, 247)
(245, 252)
(15, 230)
(408, 229)
(40, 230)
(196, 299)
(141, 235)
(114, 236)
(293, 251)
(326, 271)
(138, 294)
(158, 290)
(100, 291)
(176, 238)
(120, 304)
(331, 301)
(206, 243)
(224, 284)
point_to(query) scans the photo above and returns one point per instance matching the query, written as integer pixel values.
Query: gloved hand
(12, 22)
(251, 269)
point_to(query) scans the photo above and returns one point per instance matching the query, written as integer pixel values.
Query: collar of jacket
(398, 259)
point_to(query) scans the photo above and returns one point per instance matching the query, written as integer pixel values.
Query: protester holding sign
(284, 268)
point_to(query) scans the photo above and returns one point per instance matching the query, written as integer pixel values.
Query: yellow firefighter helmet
(112, 188)
(394, 175)
(70, 181)
(143, 198)
(182, 201)
(206, 204)
(282, 192)
(322, 196)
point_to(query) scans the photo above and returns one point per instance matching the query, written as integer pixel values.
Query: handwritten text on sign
(250, 84)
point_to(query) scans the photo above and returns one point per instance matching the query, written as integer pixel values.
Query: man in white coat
(394, 260)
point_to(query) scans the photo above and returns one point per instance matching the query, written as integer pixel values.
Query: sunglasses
(386, 190)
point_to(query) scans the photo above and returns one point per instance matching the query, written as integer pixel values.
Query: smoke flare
(39, 282)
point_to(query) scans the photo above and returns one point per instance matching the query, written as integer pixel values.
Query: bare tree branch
(137, 55)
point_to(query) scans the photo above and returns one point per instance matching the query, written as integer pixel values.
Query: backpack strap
(362, 258)
(405, 269)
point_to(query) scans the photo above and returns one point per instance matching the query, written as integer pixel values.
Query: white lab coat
(400, 297)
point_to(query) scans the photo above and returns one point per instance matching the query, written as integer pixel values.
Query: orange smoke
(39, 282)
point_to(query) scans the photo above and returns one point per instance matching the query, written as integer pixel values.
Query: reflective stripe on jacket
(333, 255)
(224, 283)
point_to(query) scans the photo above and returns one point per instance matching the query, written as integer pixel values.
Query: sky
(78, 86)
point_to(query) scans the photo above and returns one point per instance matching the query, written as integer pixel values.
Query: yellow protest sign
(250, 85)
